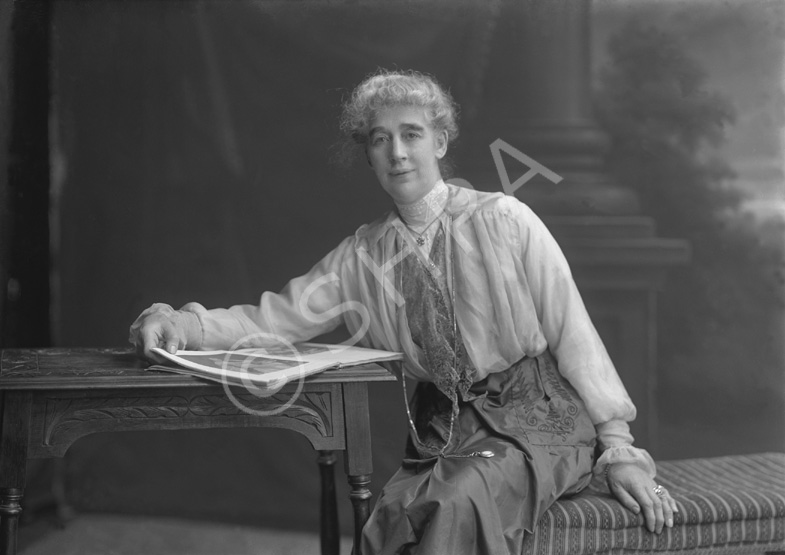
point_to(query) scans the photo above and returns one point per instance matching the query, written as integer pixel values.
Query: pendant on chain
(421, 241)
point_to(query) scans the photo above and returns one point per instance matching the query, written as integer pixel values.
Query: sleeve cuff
(192, 325)
(615, 441)
(621, 454)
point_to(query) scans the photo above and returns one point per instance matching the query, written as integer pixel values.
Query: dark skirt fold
(543, 446)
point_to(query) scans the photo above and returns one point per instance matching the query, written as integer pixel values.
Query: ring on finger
(659, 491)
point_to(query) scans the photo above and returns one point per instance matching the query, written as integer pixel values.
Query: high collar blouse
(513, 290)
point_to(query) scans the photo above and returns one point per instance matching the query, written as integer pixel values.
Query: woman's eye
(412, 135)
(378, 139)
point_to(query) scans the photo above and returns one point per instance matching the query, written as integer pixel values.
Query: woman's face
(404, 151)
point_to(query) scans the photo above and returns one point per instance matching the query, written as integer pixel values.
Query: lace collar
(423, 211)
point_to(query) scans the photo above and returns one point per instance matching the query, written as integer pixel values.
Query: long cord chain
(454, 409)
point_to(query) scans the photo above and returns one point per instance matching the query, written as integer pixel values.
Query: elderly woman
(516, 391)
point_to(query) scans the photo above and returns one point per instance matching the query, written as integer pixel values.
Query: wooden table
(49, 398)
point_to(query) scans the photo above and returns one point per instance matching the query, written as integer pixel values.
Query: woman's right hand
(635, 490)
(159, 326)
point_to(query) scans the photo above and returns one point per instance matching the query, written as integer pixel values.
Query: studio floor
(91, 534)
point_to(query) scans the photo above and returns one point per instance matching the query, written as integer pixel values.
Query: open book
(269, 367)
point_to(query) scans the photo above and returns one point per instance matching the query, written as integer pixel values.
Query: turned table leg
(357, 461)
(13, 462)
(10, 509)
(329, 535)
(361, 499)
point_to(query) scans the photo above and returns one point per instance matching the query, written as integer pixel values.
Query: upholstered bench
(727, 505)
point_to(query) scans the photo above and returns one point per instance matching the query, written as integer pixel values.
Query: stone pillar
(537, 100)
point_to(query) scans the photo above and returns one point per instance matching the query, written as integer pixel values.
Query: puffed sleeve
(576, 345)
(306, 307)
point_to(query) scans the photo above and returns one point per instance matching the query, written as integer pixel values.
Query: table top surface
(120, 368)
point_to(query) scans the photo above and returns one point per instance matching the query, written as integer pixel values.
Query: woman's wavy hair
(384, 89)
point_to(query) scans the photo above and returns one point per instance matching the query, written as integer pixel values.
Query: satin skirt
(457, 503)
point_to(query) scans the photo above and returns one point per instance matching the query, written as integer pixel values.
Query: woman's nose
(397, 149)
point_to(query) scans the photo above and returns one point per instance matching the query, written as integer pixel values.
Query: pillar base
(578, 196)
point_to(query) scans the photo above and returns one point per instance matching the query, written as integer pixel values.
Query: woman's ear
(441, 144)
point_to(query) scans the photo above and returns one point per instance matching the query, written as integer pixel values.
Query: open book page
(269, 367)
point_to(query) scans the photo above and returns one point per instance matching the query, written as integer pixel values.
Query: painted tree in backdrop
(721, 318)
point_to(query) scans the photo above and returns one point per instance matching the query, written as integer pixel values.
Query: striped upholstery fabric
(727, 505)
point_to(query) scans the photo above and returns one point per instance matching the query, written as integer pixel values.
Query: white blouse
(514, 297)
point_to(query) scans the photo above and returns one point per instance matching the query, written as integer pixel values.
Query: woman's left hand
(635, 490)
